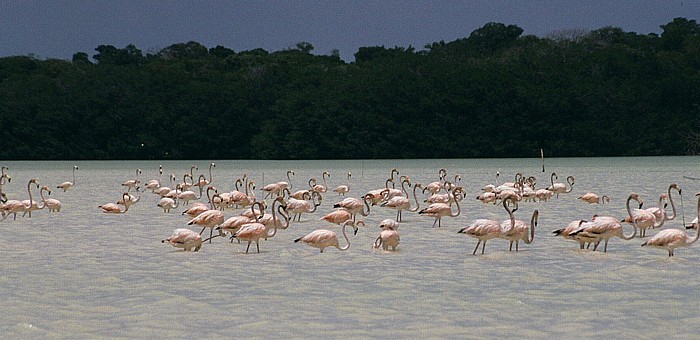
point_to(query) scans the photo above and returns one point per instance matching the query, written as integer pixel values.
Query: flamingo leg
(211, 232)
(257, 245)
(477, 247)
(605, 250)
(246, 248)
(516, 245)
(511, 246)
(200, 233)
(483, 247)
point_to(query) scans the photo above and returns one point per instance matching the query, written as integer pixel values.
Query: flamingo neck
(347, 240)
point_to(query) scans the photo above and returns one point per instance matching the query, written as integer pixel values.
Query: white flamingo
(560, 188)
(324, 238)
(671, 239)
(67, 185)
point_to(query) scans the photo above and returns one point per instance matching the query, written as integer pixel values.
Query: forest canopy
(494, 93)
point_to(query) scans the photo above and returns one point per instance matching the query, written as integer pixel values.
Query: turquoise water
(82, 273)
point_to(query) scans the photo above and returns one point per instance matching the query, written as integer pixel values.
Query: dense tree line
(495, 93)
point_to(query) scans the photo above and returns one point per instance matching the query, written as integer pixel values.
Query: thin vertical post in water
(542, 157)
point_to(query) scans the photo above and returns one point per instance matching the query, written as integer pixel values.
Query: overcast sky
(58, 29)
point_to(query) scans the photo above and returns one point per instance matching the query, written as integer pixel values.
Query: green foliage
(495, 93)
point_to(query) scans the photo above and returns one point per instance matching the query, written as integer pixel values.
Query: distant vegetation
(495, 93)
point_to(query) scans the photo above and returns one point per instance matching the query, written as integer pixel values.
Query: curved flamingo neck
(347, 245)
(634, 221)
(533, 224)
(697, 229)
(670, 199)
(415, 198)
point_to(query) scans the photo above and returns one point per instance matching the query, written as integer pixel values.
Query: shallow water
(82, 273)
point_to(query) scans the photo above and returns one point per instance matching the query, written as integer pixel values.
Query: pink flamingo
(439, 210)
(560, 188)
(520, 231)
(389, 236)
(343, 188)
(324, 238)
(155, 183)
(15, 206)
(674, 238)
(208, 219)
(485, 229)
(67, 185)
(185, 239)
(593, 198)
(337, 216)
(113, 208)
(572, 227)
(355, 206)
(603, 228)
(133, 182)
(254, 232)
(297, 207)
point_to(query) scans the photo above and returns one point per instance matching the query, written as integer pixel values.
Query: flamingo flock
(278, 206)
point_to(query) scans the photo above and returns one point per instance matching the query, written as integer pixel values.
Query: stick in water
(542, 156)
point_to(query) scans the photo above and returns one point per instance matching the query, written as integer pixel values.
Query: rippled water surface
(82, 273)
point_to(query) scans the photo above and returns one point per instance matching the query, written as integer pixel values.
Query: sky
(58, 29)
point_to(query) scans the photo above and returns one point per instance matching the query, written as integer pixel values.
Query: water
(82, 273)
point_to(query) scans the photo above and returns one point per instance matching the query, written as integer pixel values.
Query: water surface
(82, 273)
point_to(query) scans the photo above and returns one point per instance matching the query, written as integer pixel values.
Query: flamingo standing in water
(15, 206)
(113, 208)
(560, 188)
(185, 239)
(202, 180)
(520, 231)
(235, 223)
(389, 236)
(485, 229)
(603, 228)
(67, 185)
(355, 206)
(344, 188)
(324, 238)
(297, 207)
(671, 239)
(572, 227)
(130, 184)
(208, 219)
(435, 187)
(439, 210)
(321, 189)
(167, 203)
(52, 204)
(155, 183)
(645, 218)
(254, 232)
(277, 188)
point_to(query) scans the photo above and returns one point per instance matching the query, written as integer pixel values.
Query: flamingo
(485, 229)
(52, 204)
(435, 187)
(185, 185)
(297, 207)
(560, 188)
(15, 206)
(355, 206)
(400, 203)
(234, 224)
(674, 238)
(208, 219)
(273, 219)
(202, 180)
(254, 232)
(344, 188)
(324, 238)
(593, 198)
(67, 185)
(163, 191)
(34, 205)
(389, 236)
(155, 183)
(520, 231)
(4, 176)
(185, 239)
(644, 219)
(572, 227)
(337, 216)
(602, 228)
(278, 187)
(133, 182)
(321, 189)
(132, 199)
(189, 195)
(113, 208)
(167, 203)
(439, 210)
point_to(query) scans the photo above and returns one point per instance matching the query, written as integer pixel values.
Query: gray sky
(58, 29)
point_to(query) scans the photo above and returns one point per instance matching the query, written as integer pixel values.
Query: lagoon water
(81, 273)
